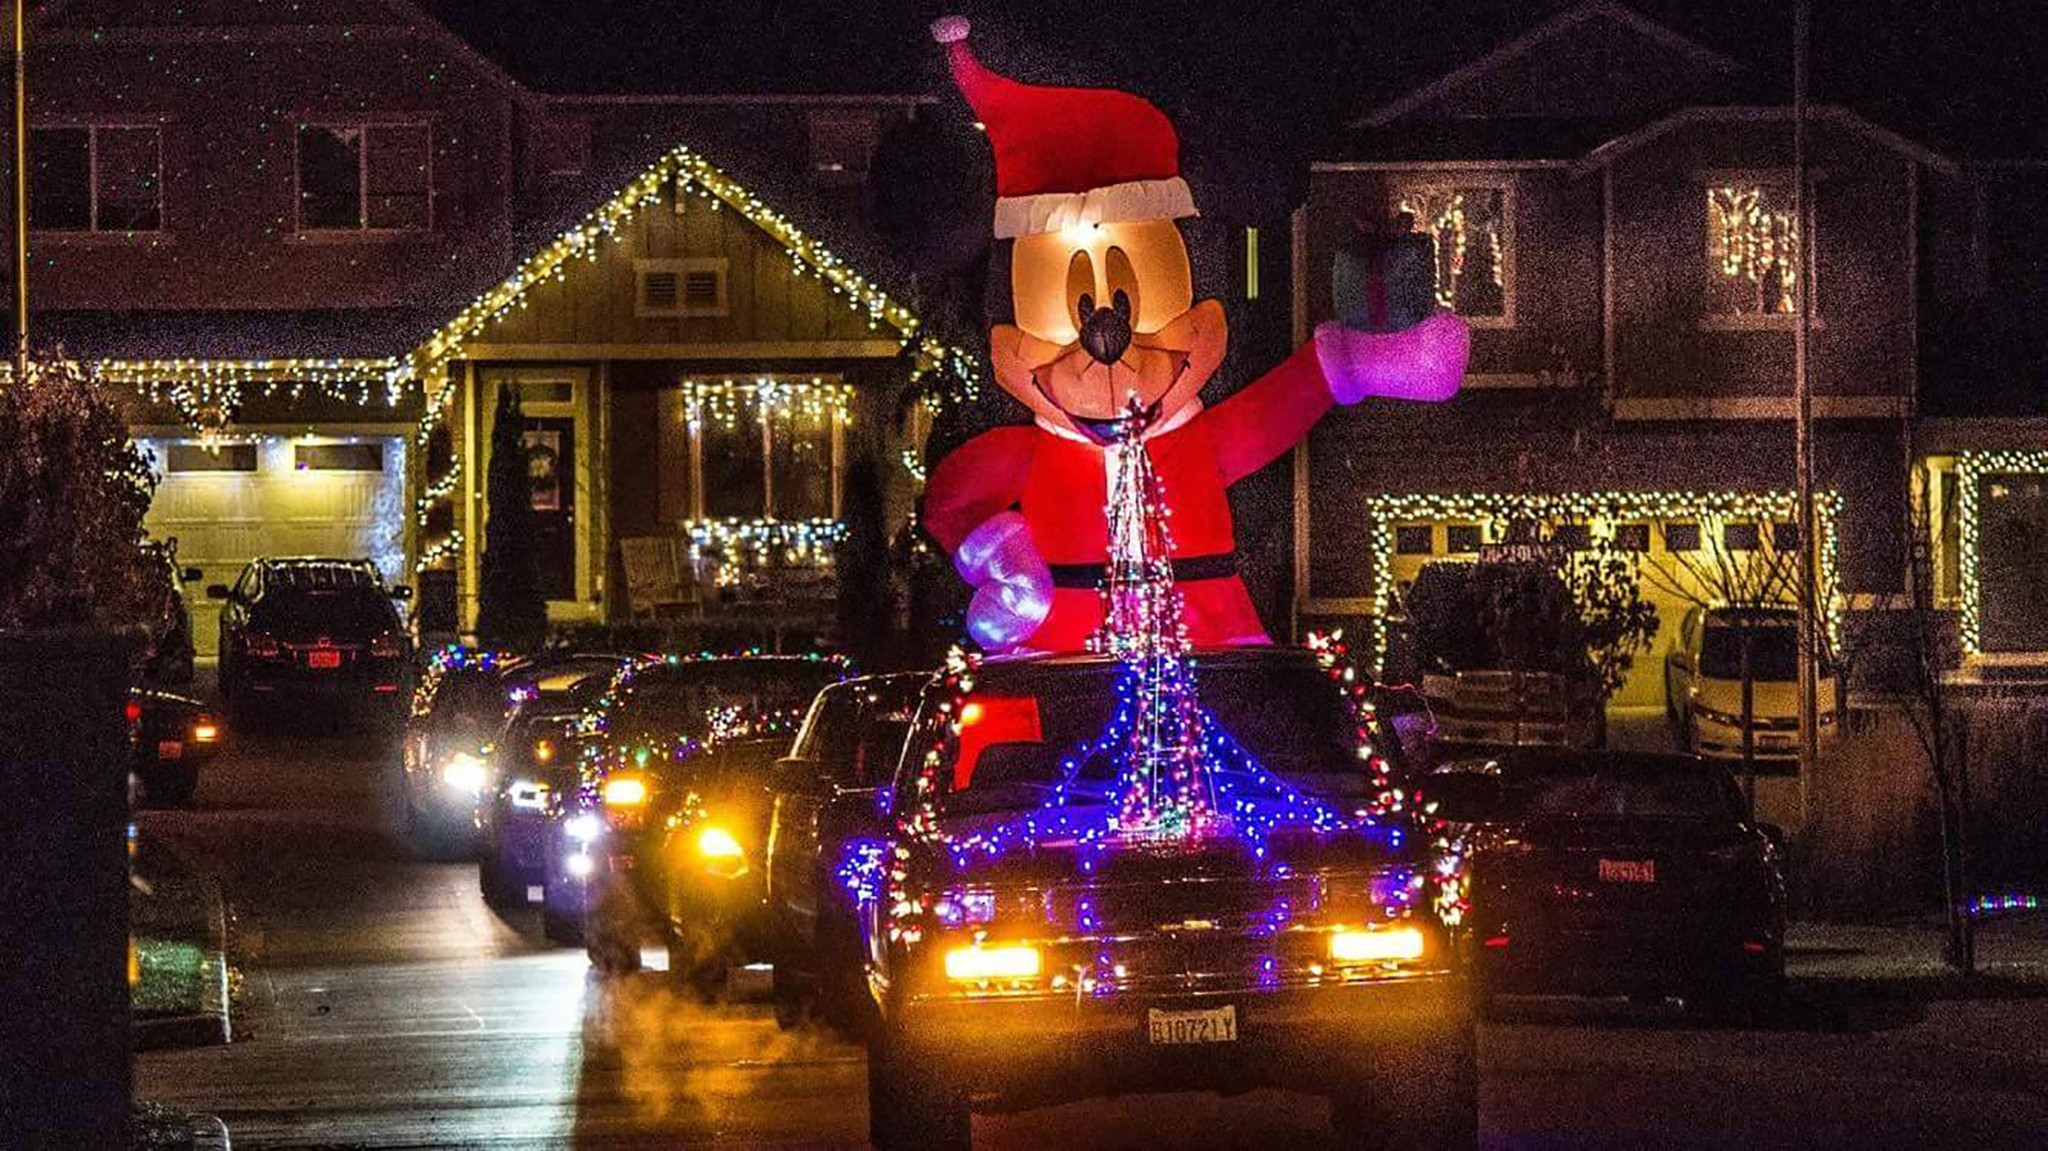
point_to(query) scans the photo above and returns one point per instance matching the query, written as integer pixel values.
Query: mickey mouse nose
(1106, 333)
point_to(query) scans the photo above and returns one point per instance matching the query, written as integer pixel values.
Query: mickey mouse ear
(950, 29)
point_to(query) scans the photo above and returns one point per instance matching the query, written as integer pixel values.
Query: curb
(211, 1024)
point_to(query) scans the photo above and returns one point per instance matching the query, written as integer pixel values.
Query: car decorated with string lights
(1174, 871)
(664, 835)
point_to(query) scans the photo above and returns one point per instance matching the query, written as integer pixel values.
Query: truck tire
(911, 1109)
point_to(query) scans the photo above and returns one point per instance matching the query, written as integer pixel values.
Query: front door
(551, 466)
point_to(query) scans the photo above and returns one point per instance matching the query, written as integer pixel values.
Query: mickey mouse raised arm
(1107, 330)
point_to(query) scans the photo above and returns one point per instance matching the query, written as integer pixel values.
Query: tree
(73, 491)
(511, 612)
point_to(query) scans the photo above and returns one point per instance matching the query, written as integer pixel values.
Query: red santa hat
(1067, 156)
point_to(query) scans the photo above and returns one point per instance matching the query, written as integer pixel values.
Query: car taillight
(261, 646)
(205, 730)
(386, 646)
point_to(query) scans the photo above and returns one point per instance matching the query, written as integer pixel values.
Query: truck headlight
(1384, 945)
(979, 964)
(718, 843)
(625, 791)
(527, 794)
(465, 772)
(583, 828)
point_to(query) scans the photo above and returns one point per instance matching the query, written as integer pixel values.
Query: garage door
(230, 502)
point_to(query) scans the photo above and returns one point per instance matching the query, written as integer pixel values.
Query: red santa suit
(1059, 481)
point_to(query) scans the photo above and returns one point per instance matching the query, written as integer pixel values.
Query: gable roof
(1550, 29)
(402, 12)
(1620, 146)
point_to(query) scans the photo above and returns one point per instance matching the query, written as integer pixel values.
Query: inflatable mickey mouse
(1107, 331)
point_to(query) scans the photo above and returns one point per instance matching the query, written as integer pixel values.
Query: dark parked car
(665, 834)
(1615, 873)
(535, 756)
(319, 631)
(1017, 956)
(170, 737)
(825, 793)
(168, 656)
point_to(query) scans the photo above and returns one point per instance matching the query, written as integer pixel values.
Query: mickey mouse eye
(1122, 277)
(1081, 287)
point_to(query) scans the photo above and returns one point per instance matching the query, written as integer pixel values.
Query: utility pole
(20, 191)
(1809, 593)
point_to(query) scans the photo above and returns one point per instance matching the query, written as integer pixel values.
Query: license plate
(1214, 1025)
(323, 660)
(535, 893)
(1628, 871)
(169, 749)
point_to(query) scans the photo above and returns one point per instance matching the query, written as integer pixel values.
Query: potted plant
(74, 584)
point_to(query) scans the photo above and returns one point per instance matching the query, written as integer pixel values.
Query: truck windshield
(1022, 736)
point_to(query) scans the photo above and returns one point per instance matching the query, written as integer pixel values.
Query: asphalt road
(382, 1005)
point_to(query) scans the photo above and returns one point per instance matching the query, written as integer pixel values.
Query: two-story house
(317, 242)
(1613, 213)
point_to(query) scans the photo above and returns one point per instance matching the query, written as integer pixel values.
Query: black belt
(1091, 576)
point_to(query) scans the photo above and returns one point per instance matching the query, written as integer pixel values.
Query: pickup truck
(1022, 947)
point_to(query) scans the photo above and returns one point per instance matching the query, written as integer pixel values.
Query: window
(562, 146)
(1469, 224)
(1572, 537)
(1785, 537)
(338, 457)
(1414, 540)
(96, 179)
(365, 178)
(1682, 537)
(669, 288)
(748, 450)
(1752, 250)
(181, 458)
(1741, 537)
(1632, 537)
(1464, 539)
(842, 143)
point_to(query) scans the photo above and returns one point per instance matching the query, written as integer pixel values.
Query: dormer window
(1752, 251)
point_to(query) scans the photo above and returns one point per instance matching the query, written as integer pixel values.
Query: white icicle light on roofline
(1387, 512)
(691, 175)
(763, 399)
(1972, 469)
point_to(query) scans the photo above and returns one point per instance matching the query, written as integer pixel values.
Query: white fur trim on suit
(1167, 199)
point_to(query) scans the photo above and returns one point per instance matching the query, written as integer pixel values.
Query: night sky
(1963, 75)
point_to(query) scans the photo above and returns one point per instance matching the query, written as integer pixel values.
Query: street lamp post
(20, 190)
(1809, 606)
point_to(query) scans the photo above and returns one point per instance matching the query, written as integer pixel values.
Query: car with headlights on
(533, 757)
(1603, 873)
(1024, 945)
(457, 711)
(825, 793)
(170, 737)
(663, 836)
(313, 633)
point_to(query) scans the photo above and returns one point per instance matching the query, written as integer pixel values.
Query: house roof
(1534, 38)
(1620, 146)
(334, 334)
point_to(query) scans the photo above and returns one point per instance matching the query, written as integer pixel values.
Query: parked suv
(1020, 948)
(167, 658)
(825, 792)
(312, 631)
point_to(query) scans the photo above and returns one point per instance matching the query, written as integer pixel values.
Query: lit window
(96, 179)
(1469, 226)
(1752, 250)
(748, 450)
(374, 177)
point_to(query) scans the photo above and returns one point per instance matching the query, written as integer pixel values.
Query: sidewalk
(2012, 957)
(179, 926)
